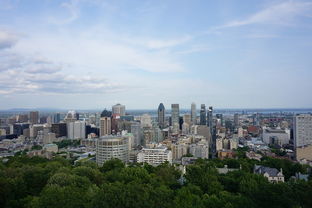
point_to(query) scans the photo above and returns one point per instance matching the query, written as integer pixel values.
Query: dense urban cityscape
(277, 145)
(155, 104)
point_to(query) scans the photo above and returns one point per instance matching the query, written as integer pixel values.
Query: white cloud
(282, 14)
(7, 39)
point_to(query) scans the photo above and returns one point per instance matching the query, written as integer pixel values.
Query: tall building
(105, 123)
(146, 121)
(76, 130)
(109, 147)
(161, 116)
(59, 129)
(33, 117)
(236, 120)
(175, 116)
(56, 118)
(137, 135)
(33, 130)
(203, 120)
(22, 118)
(187, 119)
(18, 128)
(193, 113)
(210, 118)
(119, 109)
(219, 120)
(303, 136)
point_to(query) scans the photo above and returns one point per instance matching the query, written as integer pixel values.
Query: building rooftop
(272, 172)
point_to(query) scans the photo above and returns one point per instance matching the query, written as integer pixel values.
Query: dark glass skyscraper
(161, 115)
(209, 117)
(203, 120)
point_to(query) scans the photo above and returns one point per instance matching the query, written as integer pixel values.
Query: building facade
(109, 147)
(161, 116)
(303, 136)
(119, 109)
(193, 113)
(175, 116)
(154, 156)
(33, 117)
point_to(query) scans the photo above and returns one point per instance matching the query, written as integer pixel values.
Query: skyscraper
(33, 117)
(210, 118)
(161, 115)
(303, 136)
(203, 120)
(236, 120)
(119, 109)
(105, 123)
(193, 113)
(175, 116)
(57, 118)
(135, 129)
(59, 129)
(76, 130)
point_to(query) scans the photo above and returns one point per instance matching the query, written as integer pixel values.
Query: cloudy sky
(87, 54)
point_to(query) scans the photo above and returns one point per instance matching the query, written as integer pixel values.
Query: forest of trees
(37, 182)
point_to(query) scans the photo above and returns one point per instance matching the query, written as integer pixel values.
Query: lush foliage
(37, 182)
(67, 142)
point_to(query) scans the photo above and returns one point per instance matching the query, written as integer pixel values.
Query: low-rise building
(276, 136)
(155, 156)
(272, 174)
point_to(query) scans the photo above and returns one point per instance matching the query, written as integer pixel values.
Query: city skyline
(85, 54)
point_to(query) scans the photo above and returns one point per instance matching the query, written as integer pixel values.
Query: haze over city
(88, 54)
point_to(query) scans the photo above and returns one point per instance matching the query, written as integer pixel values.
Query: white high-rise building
(76, 130)
(109, 147)
(303, 136)
(155, 156)
(119, 109)
(146, 121)
(193, 113)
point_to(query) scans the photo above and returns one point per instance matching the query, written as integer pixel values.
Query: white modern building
(303, 136)
(76, 130)
(109, 147)
(275, 136)
(155, 156)
(193, 113)
(146, 121)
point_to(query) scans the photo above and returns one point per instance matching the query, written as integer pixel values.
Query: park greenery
(68, 143)
(40, 183)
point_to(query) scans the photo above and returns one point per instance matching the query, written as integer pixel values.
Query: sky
(91, 54)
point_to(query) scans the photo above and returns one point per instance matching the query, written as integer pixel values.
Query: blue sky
(89, 54)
